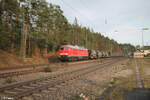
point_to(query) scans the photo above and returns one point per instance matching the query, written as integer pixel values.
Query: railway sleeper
(34, 85)
(18, 89)
(27, 87)
(46, 82)
(58, 86)
(9, 93)
(28, 98)
(13, 91)
(42, 83)
(23, 87)
(52, 89)
(36, 96)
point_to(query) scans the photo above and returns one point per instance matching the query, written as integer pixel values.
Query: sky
(121, 20)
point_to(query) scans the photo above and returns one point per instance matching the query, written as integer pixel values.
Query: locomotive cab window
(66, 49)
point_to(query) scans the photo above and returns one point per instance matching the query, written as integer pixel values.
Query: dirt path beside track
(136, 74)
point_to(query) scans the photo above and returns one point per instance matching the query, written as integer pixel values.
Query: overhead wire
(76, 11)
(83, 3)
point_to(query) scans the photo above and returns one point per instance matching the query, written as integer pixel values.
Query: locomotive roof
(76, 47)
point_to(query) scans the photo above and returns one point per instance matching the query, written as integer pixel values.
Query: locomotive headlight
(63, 53)
(66, 54)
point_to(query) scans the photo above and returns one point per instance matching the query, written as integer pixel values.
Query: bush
(9, 80)
(76, 97)
(47, 69)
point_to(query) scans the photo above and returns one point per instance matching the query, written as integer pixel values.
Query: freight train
(71, 53)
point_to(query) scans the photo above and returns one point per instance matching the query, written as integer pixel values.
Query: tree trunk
(45, 52)
(29, 47)
(26, 31)
(13, 44)
(36, 52)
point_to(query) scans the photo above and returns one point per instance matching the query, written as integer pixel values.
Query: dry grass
(7, 59)
(12, 60)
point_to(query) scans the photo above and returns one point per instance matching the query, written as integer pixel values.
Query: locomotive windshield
(61, 49)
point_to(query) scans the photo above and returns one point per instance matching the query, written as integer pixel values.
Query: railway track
(21, 67)
(38, 65)
(17, 73)
(19, 90)
(36, 69)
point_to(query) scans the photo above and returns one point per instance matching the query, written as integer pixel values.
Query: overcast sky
(121, 20)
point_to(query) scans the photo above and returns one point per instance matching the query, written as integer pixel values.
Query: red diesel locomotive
(70, 52)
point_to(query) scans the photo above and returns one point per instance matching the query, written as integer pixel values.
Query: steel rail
(10, 86)
(38, 69)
